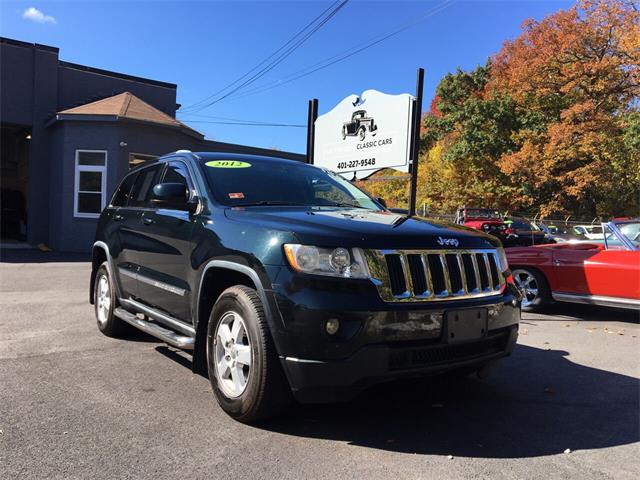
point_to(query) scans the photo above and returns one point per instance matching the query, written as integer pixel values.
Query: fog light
(332, 326)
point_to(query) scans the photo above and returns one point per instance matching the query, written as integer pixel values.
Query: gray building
(69, 133)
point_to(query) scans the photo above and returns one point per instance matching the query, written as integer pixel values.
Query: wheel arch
(99, 255)
(216, 277)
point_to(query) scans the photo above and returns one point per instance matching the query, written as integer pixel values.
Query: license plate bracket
(465, 325)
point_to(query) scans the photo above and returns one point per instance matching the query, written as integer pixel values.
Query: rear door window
(142, 188)
(121, 196)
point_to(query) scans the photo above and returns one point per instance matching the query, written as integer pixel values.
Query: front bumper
(377, 341)
(315, 381)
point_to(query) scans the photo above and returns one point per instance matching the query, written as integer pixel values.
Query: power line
(248, 124)
(264, 60)
(271, 66)
(346, 54)
(333, 10)
(202, 116)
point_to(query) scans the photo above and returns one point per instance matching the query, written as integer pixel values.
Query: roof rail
(184, 151)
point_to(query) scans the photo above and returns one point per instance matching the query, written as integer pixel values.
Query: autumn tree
(550, 124)
(575, 79)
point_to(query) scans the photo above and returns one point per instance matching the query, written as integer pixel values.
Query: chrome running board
(166, 320)
(616, 302)
(166, 335)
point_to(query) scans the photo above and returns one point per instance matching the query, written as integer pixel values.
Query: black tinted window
(143, 186)
(121, 197)
(521, 225)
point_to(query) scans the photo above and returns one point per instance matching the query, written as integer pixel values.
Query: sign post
(415, 142)
(311, 128)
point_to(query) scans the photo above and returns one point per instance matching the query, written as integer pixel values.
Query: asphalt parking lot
(76, 404)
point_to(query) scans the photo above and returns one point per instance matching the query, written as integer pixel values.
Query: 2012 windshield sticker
(227, 164)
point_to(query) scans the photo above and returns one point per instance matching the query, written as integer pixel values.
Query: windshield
(524, 226)
(482, 213)
(631, 231)
(254, 181)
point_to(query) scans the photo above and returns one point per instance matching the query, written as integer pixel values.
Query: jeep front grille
(428, 275)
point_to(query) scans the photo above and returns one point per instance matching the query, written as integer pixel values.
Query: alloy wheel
(527, 284)
(103, 300)
(232, 354)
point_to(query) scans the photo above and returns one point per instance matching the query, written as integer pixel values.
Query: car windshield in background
(263, 182)
(482, 213)
(524, 226)
(631, 231)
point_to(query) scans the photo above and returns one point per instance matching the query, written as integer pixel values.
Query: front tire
(534, 287)
(244, 369)
(105, 303)
(362, 133)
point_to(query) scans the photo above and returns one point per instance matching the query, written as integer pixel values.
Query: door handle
(117, 217)
(148, 221)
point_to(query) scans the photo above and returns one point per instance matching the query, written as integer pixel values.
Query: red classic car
(598, 272)
(485, 219)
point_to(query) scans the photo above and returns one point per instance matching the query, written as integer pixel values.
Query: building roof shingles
(125, 106)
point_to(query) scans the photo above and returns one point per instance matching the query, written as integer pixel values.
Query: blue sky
(204, 46)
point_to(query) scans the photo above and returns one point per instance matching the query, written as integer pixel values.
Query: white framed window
(90, 184)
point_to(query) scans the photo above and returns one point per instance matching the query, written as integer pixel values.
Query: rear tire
(362, 133)
(534, 288)
(244, 369)
(105, 303)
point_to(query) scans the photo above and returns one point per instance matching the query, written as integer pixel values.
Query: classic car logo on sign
(381, 132)
(448, 241)
(359, 125)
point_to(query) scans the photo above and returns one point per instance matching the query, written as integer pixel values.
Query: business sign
(364, 134)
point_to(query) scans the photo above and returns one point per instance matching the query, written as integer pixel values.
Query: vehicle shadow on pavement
(537, 403)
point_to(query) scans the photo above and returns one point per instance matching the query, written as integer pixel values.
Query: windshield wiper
(263, 203)
(344, 204)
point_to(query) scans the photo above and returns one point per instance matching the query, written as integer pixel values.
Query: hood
(329, 226)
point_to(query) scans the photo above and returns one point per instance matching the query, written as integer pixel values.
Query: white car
(592, 232)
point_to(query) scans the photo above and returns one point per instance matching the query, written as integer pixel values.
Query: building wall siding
(77, 87)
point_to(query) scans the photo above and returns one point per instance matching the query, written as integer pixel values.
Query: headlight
(502, 258)
(334, 262)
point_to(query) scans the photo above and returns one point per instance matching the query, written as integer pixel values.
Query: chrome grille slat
(467, 268)
(488, 267)
(463, 276)
(445, 272)
(404, 261)
(474, 261)
(427, 273)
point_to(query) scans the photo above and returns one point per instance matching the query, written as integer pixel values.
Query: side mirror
(171, 195)
(381, 201)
